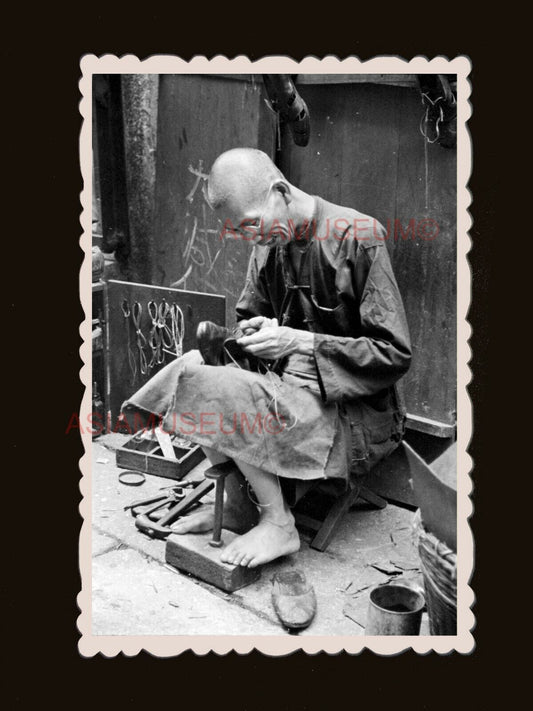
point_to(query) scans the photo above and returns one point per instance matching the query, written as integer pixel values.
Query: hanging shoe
(210, 339)
(285, 99)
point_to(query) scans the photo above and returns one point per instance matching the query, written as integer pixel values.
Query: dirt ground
(134, 592)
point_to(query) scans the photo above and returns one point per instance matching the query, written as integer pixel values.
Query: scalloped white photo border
(280, 645)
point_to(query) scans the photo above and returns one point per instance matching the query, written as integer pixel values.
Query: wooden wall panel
(426, 266)
(366, 151)
(199, 118)
(124, 380)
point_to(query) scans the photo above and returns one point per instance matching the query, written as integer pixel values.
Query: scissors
(136, 314)
(155, 338)
(125, 306)
(164, 312)
(161, 336)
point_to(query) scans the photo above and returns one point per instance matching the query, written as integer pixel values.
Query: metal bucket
(394, 610)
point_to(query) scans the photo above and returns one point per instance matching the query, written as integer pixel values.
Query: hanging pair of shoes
(292, 109)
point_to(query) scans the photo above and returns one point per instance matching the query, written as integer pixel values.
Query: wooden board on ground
(391, 479)
(436, 495)
(191, 553)
(123, 355)
(406, 478)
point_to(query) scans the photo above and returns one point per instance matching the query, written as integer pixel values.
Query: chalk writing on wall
(205, 253)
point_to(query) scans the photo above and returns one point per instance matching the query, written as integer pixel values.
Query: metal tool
(199, 555)
(136, 315)
(161, 528)
(177, 329)
(131, 478)
(126, 311)
(161, 337)
(214, 477)
(154, 338)
(172, 495)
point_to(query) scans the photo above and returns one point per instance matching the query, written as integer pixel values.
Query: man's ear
(283, 187)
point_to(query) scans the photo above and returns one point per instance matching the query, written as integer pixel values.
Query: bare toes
(228, 556)
(238, 558)
(181, 527)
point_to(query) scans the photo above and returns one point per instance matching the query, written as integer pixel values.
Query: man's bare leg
(240, 514)
(275, 535)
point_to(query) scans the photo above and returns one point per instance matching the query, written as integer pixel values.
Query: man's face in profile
(258, 222)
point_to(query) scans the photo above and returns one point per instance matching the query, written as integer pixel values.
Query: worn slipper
(294, 600)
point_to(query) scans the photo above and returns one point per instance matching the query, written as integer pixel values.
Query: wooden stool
(389, 481)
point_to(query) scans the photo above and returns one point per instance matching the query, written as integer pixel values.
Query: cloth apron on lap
(278, 424)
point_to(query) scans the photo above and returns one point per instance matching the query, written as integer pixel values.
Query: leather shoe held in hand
(294, 600)
(218, 346)
(210, 339)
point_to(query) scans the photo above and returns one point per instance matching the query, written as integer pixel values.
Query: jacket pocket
(359, 451)
(371, 445)
(333, 320)
(382, 441)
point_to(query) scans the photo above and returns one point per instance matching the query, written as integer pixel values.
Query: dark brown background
(47, 204)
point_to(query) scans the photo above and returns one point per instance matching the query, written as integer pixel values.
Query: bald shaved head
(241, 178)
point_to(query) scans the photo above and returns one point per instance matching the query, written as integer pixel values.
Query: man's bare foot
(198, 522)
(237, 520)
(266, 542)
(240, 514)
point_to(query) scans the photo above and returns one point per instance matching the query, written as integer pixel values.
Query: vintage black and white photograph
(275, 418)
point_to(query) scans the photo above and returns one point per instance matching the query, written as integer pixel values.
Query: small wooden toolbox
(143, 453)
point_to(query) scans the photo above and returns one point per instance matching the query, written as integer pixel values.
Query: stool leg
(372, 498)
(216, 540)
(219, 472)
(321, 541)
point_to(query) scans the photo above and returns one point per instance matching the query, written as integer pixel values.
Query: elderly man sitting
(326, 328)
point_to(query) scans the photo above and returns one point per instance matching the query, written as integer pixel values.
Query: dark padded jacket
(352, 304)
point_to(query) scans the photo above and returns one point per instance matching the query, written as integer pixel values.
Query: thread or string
(274, 400)
(256, 503)
(233, 359)
(275, 387)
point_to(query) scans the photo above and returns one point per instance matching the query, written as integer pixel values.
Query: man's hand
(255, 324)
(272, 341)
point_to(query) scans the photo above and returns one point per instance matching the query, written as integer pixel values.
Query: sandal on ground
(294, 600)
